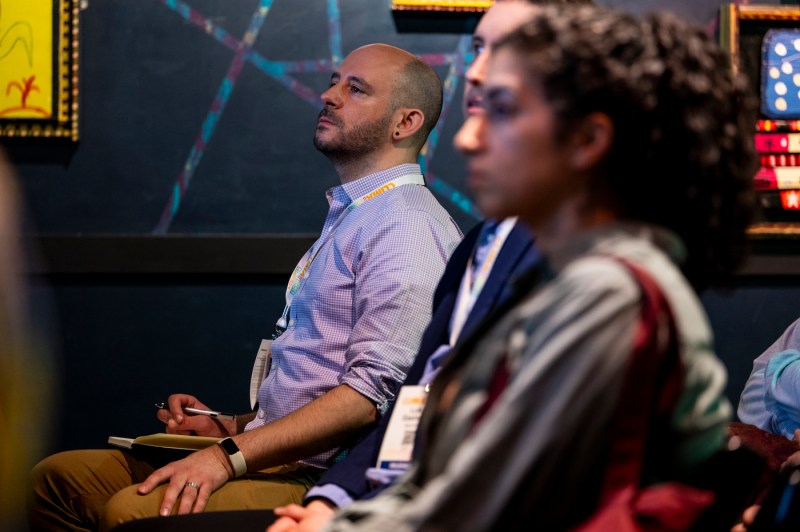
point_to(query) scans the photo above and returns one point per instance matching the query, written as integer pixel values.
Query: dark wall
(171, 102)
(130, 342)
(167, 104)
(184, 129)
(749, 319)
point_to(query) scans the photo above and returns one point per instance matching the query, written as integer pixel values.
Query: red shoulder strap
(651, 389)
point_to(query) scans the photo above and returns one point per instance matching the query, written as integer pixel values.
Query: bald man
(356, 308)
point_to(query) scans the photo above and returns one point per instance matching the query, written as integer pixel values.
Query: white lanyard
(300, 272)
(471, 288)
(398, 442)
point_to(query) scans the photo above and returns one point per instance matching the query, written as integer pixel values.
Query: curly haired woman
(626, 145)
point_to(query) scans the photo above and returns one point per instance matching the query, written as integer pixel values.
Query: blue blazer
(516, 256)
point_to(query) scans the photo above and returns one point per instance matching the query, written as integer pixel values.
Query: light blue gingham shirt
(771, 397)
(359, 317)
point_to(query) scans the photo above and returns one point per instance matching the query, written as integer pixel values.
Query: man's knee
(73, 486)
(83, 470)
(52, 493)
(127, 505)
(48, 475)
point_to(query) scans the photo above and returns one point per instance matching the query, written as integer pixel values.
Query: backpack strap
(650, 391)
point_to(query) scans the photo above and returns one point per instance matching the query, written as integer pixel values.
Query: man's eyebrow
(361, 82)
(364, 84)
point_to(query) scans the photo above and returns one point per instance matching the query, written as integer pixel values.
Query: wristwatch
(235, 456)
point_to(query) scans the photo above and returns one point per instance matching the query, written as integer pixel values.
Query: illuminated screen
(780, 79)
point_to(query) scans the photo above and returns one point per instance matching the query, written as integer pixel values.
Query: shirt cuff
(332, 492)
(783, 377)
(383, 477)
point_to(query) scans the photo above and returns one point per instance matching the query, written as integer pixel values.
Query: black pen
(198, 411)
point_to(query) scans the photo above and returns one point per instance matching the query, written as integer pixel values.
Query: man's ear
(592, 141)
(407, 123)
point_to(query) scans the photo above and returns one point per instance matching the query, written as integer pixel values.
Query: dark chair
(734, 476)
(239, 520)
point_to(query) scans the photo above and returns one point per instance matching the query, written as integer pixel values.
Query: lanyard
(300, 272)
(471, 288)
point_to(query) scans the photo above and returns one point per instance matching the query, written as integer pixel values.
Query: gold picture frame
(742, 31)
(39, 63)
(470, 6)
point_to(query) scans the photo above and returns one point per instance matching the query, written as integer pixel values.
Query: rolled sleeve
(396, 274)
(782, 378)
(358, 316)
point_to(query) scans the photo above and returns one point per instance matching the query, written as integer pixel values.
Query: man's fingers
(170, 497)
(188, 495)
(294, 511)
(194, 498)
(202, 499)
(159, 476)
(282, 524)
(156, 477)
(750, 514)
(792, 461)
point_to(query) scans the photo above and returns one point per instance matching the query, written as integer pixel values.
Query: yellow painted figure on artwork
(26, 59)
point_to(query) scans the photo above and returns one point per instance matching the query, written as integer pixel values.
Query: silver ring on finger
(195, 485)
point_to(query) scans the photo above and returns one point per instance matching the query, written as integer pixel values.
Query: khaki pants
(96, 490)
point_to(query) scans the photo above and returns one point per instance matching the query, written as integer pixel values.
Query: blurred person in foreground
(27, 381)
(626, 146)
(510, 250)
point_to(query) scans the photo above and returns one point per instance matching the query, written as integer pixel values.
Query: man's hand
(794, 459)
(748, 517)
(178, 422)
(297, 518)
(193, 479)
(750, 513)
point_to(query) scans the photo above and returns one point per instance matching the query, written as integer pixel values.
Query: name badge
(398, 442)
(261, 367)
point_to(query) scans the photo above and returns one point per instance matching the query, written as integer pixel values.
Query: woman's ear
(592, 141)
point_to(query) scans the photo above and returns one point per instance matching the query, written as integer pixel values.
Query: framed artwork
(764, 43)
(438, 16)
(442, 5)
(39, 68)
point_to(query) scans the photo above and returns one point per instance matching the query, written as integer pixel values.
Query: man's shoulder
(408, 206)
(415, 197)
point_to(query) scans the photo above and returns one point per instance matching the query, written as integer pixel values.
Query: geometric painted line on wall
(283, 72)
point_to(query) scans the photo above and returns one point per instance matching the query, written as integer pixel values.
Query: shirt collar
(348, 192)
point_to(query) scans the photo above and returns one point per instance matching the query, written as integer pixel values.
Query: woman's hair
(682, 155)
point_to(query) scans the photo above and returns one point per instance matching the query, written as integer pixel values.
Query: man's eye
(478, 48)
(355, 89)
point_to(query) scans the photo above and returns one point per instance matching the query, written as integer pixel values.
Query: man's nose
(469, 138)
(476, 73)
(331, 97)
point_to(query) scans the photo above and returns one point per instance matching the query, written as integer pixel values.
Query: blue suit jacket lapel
(515, 257)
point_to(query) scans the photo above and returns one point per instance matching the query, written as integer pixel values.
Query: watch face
(229, 446)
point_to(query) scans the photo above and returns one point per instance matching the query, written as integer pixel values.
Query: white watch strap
(236, 459)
